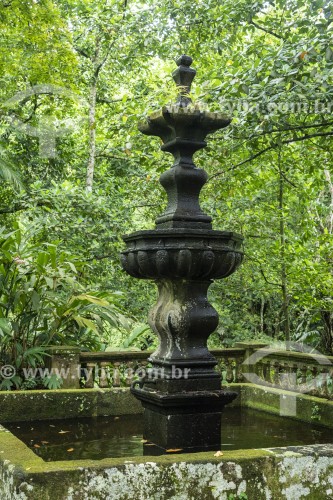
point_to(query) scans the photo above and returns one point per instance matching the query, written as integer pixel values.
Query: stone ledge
(277, 473)
(308, 408)
(66, 403)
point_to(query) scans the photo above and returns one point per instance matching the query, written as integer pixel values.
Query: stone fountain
(181, 393)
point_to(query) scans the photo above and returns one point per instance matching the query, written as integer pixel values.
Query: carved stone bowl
(189, 124)
(182, 254)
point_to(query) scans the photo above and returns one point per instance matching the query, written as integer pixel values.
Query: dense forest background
(76, 78)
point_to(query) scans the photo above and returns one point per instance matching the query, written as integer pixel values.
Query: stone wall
(295, 473)
(270, 474)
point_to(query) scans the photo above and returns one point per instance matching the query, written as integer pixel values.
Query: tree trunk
(92, 137)
(284, 282)
(327, 318)
(330, 215)
(262, 310)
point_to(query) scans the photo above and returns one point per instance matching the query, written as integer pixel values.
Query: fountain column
(181, 393)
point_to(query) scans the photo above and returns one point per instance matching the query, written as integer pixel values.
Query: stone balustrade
(121, 368)
(293, 371)
(112, 369)
(253, 363)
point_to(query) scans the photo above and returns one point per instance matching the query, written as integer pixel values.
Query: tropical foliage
(76, 77)
(42, 303)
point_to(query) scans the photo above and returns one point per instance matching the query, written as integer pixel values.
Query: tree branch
(36, 106)
(285, 177)
(101, 100)
(276, 131)
(19, 206)
(98, 257)
(145, 205)
(259, 236)
(82, 52)
(253, 157)
(328, 178)
(266, 30)
(262, 272)
(267, 281)
(113, 157)
(272, 146)
(290, 129)
(298, 127)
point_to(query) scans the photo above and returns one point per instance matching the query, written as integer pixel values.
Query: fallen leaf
(52, 425)
(173, 450)
(143, 440)
(116, 418)
(218, 454)
(45, 442)
(63, 432)
(28, 468)
(70, 449)
(36, 446)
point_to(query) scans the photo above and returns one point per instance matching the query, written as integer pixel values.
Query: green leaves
(89, 299)
(42, 303)
(137, 333)
(4, 327)
(266, 64)
(8, 171)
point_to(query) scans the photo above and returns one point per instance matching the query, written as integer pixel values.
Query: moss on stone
(66, 403)
(256, 473)
(267, 399)
(295, 472)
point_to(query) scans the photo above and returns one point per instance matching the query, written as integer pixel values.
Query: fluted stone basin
(180, 253)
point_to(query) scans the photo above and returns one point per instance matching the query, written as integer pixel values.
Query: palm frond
(8, 171)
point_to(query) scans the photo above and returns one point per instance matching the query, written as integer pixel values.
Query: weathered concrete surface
(66, 403)
(308, 408)
(281, 473)
(70, 403)
(272, 474)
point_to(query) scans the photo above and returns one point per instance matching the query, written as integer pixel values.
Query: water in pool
(102, 437)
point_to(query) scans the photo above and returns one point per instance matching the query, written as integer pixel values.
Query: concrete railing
(295, 371)
(116, 369)
(247, 362)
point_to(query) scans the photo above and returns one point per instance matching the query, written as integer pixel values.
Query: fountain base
(188, 421)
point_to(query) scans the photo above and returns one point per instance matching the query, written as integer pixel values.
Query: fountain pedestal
(181, 393)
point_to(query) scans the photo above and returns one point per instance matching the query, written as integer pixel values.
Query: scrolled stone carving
(183, 260)
(166, 257)
(207, 263)
(162, 262)
(183, 319)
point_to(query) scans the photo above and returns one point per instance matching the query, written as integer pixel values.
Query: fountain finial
(183, 77)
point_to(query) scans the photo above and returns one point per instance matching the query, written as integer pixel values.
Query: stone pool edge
(18, 406)
(80, 403)
(309, 409)
(291, 472)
